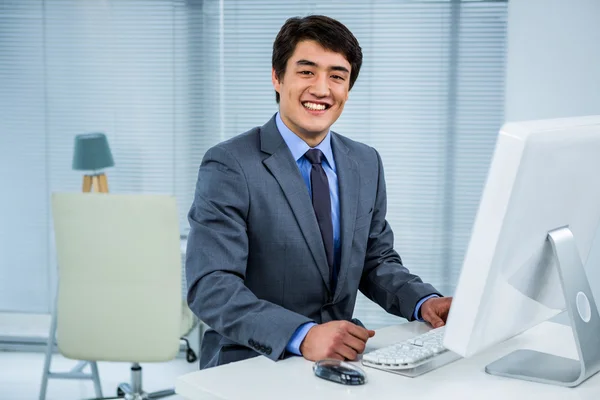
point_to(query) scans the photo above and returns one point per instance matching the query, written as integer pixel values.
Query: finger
(444, 317)
(433, 319)
(354, 343)
(444, 314)
(358, 332)
(346, 352)
(371, 333)
(335, 356)
(441, 310)
(447, 306)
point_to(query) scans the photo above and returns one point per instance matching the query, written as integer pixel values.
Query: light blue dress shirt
(298, 147)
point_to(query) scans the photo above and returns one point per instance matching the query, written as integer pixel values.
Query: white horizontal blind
(23, 184)
(119, 67)
(479, 114)
(167, 79)
(426, 119)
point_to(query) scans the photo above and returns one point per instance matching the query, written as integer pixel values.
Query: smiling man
(288, 220)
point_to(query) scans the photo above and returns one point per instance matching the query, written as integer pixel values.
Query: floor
(22, 345)
(21, 372)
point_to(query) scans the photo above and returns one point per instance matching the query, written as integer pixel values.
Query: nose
(320, 87)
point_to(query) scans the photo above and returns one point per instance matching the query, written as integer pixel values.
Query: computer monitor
(539, 214)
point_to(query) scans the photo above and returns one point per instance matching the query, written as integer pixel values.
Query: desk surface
(261, 378)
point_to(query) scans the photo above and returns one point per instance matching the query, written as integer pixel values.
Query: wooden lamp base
(98, 183)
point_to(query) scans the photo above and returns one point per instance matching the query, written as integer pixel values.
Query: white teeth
(314, 106)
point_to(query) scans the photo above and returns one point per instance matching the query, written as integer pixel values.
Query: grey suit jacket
(256, 265)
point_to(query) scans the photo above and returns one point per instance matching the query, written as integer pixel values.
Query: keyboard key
(409, 353)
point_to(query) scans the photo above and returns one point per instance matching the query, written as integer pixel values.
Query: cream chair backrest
(119, 271)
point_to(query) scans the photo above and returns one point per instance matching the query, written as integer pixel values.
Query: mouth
(315, 107)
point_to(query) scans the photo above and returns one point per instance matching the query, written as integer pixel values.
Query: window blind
(428, 98)
(167, 79)
(24, 271)
(69, 67)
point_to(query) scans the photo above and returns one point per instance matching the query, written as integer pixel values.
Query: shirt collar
(298, 146)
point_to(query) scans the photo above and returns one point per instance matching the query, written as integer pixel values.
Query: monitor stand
(541, 367)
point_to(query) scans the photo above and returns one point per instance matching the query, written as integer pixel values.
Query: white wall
(553, 60)
(553, 70)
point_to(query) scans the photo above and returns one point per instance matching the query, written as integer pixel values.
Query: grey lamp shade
(92, 152)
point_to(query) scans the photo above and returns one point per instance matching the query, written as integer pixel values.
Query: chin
(315, 128)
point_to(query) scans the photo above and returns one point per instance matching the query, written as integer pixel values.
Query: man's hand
(340, 340)
(435, 310)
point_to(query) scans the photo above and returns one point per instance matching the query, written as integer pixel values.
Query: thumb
(435, 321)
(371, 333)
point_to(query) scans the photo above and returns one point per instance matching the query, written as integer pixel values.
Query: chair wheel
(120, 393)
(191, 356)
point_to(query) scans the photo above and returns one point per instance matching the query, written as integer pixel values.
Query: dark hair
(329, 33)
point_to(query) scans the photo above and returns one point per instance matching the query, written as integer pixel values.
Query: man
(288, 220)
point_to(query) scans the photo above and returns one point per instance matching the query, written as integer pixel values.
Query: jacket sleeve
(216, 262)
(384, 279)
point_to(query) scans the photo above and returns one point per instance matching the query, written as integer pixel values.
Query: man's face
(313, 90)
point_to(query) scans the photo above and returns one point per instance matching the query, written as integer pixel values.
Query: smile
(315, 106)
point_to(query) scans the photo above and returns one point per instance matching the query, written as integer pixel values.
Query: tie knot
(315, 156)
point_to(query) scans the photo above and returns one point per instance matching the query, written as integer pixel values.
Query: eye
(305, 72)
(337, 77)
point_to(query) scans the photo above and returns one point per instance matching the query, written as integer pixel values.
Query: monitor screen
(544, 176)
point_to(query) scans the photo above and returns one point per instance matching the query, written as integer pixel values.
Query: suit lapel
(282, 166)
(348, 181)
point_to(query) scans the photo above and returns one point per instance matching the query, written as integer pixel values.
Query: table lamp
(92, 153)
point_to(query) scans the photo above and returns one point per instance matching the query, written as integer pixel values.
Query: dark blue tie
(322, 205)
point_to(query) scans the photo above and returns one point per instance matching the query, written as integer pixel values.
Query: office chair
(119, 269)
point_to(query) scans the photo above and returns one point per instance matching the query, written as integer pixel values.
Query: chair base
(129, 394)
(133, 390)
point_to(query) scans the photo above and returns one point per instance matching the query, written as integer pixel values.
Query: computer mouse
(357, 321)
(339, 372)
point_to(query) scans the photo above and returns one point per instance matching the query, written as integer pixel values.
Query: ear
(276, 83)
(348, 92)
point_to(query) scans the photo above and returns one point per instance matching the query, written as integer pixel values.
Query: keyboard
(411, 353)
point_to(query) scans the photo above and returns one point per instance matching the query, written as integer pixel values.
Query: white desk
(293, 379)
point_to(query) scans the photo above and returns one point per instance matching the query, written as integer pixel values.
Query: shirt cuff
(419, 304)
(293, 345)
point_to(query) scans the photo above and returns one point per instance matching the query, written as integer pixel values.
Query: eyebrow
(314, 64)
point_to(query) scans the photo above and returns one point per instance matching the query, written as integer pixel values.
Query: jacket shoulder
(243, 141)
(239, 146)
(356, 149)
